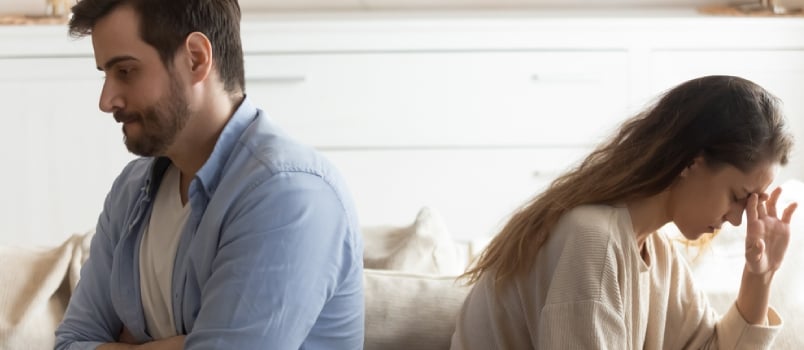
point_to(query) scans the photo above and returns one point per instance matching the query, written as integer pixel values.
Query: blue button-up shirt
(270, 257)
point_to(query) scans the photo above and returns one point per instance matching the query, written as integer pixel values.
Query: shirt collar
(210, 173)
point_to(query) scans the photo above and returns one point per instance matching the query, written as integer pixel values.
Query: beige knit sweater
(590, 289)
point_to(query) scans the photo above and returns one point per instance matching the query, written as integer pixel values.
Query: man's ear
(199, 53)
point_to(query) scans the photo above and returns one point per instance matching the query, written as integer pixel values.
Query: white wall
(38, 6)
(480, 4)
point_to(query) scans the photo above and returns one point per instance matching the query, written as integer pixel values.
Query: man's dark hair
(165, 24)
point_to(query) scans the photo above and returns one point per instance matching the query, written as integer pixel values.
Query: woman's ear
(199, 52)
(696, 163)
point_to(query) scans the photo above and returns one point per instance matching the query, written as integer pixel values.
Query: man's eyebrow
(116, 60)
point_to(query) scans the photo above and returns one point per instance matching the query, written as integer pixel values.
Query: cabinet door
(60, 152)
(443, 99)
(779, 71)
(474, 190)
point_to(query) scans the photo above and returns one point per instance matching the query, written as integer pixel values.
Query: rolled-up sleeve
(733, 332)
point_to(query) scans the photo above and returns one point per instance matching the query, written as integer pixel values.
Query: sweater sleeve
(582, 325)
(698, 326)
(584, 307)
(733, 332)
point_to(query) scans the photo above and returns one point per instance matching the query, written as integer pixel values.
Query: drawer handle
(279, 79)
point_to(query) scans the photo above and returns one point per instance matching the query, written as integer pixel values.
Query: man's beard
(160, 123)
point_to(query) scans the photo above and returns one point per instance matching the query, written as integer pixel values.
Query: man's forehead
(116, 36)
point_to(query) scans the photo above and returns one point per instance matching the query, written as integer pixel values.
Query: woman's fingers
(770, 205)
(751, 208)
(788, 212)
(761, 210)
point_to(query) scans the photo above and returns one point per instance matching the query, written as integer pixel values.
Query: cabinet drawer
(525, 98)
(474, 190)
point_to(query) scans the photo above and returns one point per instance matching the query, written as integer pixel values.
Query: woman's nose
(735, 215)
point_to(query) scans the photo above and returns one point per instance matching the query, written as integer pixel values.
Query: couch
(412, 297)
(409, 278)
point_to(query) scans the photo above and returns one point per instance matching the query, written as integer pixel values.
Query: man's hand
(172, 343)
(127, 341)
(126, 337)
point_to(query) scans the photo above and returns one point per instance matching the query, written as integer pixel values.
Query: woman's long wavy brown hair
(725, 119)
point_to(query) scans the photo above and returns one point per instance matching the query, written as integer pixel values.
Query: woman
(582, 267)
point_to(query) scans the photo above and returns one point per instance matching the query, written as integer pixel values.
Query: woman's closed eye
(738, 199)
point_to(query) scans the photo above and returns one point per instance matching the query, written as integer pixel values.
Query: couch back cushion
(411, 311)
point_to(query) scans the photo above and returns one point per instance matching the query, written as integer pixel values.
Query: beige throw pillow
(422, 247)
(35, 286)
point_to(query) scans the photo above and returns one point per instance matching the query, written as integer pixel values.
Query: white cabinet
(471, 113)
(471, 134)
(443, 99)
(473, 189)
(425, 109)
(59, 152)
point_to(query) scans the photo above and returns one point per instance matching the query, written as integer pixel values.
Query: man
(225, 234)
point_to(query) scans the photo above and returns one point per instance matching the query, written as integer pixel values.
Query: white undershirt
(157, 254)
